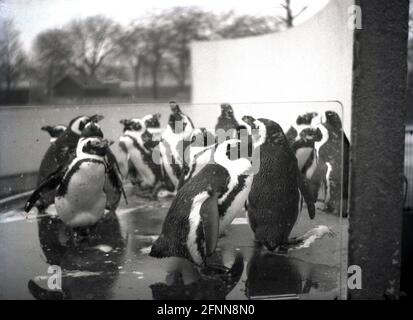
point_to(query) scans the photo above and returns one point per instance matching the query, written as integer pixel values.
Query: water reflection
(272, 276)
(89, 268)
(185, 282)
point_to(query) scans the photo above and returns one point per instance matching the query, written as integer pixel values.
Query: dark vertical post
(378, 119)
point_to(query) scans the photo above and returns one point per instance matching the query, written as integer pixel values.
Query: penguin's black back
(58, 154)
(273, 199)
(175, 228)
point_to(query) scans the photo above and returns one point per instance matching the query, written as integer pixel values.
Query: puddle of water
(114, 263)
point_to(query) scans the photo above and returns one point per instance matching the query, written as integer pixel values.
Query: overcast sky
(33, 16)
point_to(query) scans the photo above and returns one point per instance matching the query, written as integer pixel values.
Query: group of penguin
(211, 179)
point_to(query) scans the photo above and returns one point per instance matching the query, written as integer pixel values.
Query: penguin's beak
(96, 118)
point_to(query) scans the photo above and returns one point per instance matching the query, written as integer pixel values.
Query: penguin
(334, 152)
(138, 144)
(59, 153)
(174, 141)
(273, 202)
(54, 131)
(153, 125)
(304, 148)
(81, 185)
(192, 224)
(135, 124)
(227, 124)
(202, 149)
(312, 168)
(199, 153)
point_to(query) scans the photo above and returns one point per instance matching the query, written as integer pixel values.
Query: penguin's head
(306, 118)
(226, 111)
(78, 124)
(178, 121)
(54, 131)
(92, 129)
(133, 124)
(152, 120)
(95, 146)
(333, 119)
(174, 107)
(257, 130)
(201, 137)
(311, 134)
(273, 132)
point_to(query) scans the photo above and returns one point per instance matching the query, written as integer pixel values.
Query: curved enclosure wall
(311, 62)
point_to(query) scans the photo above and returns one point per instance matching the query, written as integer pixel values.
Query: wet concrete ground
(114, 263)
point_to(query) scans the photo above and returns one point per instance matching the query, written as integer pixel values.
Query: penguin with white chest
(191, 227)
(82, 193)
(175, 139)
(59, 153)
(54, 131)
(138, 144)
(273, 202)
(334, 152)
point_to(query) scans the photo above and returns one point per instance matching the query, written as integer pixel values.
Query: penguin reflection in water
(214, 283)
(84, 186)
(273, 202)
(194, 220)
(89, 269)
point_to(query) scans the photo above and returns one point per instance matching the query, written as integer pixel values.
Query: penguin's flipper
(210, 221)
(306, 192)
(303, 154)
(184, 172)
(51, 182)
(115, 174)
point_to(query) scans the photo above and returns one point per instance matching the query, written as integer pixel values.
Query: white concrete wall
(311, 62)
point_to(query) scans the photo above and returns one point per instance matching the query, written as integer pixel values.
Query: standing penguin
(54, 131)
(312, 168)
(81, 196)
(273, 201)
(227, 123)
(138, 144)
(175, 139)
(59, 152)
(191, 227)
(335, 153)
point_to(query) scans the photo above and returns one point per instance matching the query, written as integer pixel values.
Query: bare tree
(238, 26)
(52, 56)
(132, 48)
(92, 40)
(289, 14)
(187, 24)
(12, 56)
(155, 35)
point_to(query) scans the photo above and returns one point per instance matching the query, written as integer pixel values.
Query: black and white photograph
(206, 150)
